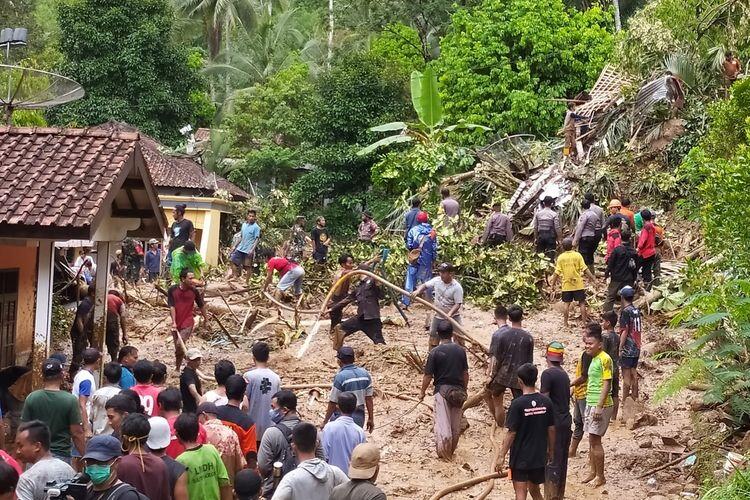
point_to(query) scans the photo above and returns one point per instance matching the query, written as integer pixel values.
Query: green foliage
(28, 118)
(272, 163)
(120, 51)
(737, 488)
(274, 111)
(504, 62)
(400, 46)
(407, 171)
(357, 93)
(689, 371)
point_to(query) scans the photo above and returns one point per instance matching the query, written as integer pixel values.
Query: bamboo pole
(281, 305)
(458, 329)
(468, 484)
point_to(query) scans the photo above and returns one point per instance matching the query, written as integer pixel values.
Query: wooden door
(8, 316)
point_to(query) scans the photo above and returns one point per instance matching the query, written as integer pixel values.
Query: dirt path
(410, 468)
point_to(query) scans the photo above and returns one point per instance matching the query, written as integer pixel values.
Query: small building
(64, 184)
(181, 179)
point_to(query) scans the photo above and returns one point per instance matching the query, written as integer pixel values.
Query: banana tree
(425, 97)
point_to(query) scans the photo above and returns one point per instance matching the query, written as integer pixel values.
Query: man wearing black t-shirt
(321, 241)
(190, 382)
(448, 368)
(181, 230)
(530, 436)
(555, 384)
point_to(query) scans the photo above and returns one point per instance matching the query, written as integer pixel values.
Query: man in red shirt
(181, 298)
(115, 322)
(143, 370)
(647, 248)
(170, 406)
(290, 274)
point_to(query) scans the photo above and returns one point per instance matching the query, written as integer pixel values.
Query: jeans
(415, 276)
(292, 277)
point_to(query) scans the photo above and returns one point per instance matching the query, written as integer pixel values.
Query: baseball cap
(445, 267)
(627, 292)
(103, 448)
(51, 367)
(159, 436)
(615, 203)
(193, 353)
(247, 484)
(364, 461)
(153, 241)
(555, 351)
(60, 356)
(345, 352)
(422, 217)
(208, 407)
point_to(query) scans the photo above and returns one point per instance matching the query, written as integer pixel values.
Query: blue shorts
(629, 363)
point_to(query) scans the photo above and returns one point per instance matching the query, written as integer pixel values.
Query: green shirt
(638, 221)
(181, 259)
(600, 370)
(59, 410)
(206, 472)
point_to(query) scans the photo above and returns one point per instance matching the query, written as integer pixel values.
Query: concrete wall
(23, 258)
(207, 222)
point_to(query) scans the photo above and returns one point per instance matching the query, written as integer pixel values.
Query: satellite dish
(28, 88)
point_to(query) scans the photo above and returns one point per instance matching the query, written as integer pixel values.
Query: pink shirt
(148, 394)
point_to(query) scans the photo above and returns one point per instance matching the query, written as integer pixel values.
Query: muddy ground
(410, 468)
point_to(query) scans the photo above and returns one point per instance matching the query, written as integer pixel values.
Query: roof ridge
(71, 132)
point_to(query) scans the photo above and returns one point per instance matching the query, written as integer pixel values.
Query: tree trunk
(618, 22)
(330, 33)
(227, 35)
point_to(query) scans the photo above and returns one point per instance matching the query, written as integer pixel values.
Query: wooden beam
(131, 198)
(50, 232)
(133, 213)
(133, 183)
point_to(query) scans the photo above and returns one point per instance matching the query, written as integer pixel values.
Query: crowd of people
(135, 436)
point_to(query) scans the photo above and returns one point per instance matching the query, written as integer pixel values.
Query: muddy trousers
(557, 470)
(80, 340)
(612, 293)
(112, 339)
(447, 427)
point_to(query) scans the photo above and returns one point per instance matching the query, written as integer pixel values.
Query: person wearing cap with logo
(152, 260)
(530, 437)
(570, 269)
(181, 231)
(222, 438)
(101, 458)
(421, 243)
(58, 409)
(354, 379)
(186, 257)
(159, 437)
(599, 405)
(138, 467)
(498, 229)
(367, 294)
(547, 229)
(181, 299)
(555, 384)
(631, 327)
(247, 485)
(448, 295)
(190, 382)
(363, 472)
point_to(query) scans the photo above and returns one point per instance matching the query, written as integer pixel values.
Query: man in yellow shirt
(570, 268)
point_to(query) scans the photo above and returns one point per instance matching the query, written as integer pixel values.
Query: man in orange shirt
(625, 210)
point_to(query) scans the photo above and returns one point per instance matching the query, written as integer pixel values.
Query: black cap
(446, 267)
(345, 352)
(548, 199)
(247, 484)
(208, 408)
(51, 368)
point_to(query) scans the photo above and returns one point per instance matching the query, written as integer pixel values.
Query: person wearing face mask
(139, 468)
(100, 459)
(275, 446)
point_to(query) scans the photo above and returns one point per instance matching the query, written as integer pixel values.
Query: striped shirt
(352, 378)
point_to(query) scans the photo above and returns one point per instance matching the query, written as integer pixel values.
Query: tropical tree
(219, 18)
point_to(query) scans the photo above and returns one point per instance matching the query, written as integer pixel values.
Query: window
(8, 314)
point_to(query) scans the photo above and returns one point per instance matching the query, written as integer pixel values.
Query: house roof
(606, 90)
(174, 171)
(56, 182)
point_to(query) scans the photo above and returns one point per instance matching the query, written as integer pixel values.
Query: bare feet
(572, 454)
(600, 482)
(589, 478)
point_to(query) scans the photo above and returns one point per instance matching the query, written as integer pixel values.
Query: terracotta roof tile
(175, 171)
(59, 177)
